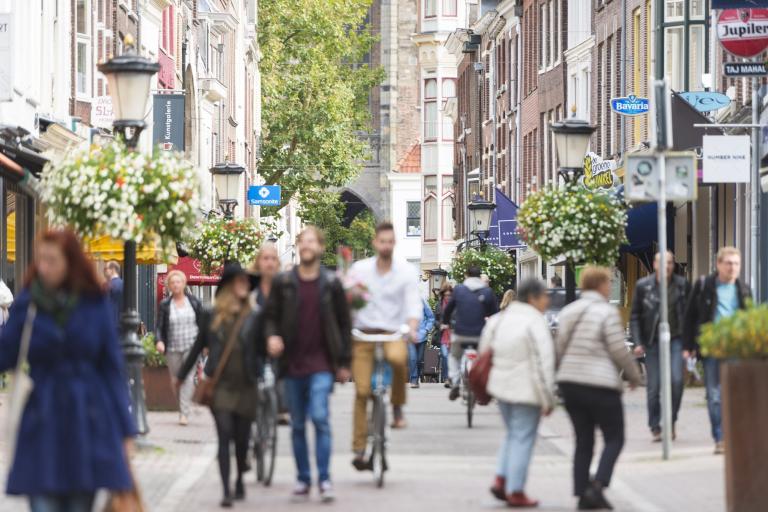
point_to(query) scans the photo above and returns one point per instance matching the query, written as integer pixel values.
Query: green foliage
(218, 240)
(743, 335)
(152, 358)
(571, 222)
(497, 264)
(315, 90)
(360, 233)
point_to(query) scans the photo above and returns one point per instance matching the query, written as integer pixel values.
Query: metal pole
(664, 335)
(754, 196)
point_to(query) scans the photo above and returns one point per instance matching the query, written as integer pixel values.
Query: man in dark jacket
(114, 287)
(714, 297)
(644, 327)
(308, 322)
(471, 303)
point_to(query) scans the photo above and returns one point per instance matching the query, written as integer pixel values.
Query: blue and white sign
(264, 195)
(630, 106)
(706, 101)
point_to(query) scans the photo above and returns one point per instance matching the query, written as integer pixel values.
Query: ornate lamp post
(226, 179)
(480, 213)
(437, 278)
(129, 77)
(571, 142)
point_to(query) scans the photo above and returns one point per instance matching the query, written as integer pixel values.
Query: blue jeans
(308, 396)
(416, 359)
(81, 502)
(653, 389)
(445, 352)
(712, 383)
(522, 422)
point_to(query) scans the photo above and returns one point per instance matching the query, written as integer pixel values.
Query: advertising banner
(168, 129)
(726, 159)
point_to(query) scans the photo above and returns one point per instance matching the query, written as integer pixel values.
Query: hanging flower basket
(218, 240)
(495, 263)
(573, 223)
(113, 191)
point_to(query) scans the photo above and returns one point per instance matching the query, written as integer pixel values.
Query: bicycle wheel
(470, 406)
(268, 438)
(378, 453)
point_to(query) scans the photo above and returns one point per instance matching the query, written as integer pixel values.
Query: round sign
(743, 32)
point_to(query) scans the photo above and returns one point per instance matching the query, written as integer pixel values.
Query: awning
(192, 269)
(106, 248)
(642, 231)
(504, 224)
(738, 4)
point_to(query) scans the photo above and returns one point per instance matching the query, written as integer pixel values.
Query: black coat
(251, 344)
(281, 316)
(164, 315)
(702, 307)
(646, 313)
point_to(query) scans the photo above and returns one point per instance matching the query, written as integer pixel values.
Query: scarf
(57, 303)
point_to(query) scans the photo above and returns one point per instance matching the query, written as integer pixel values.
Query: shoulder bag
(479, 373)
(22, 385)
(205, 388)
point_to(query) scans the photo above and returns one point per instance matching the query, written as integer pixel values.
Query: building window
(674, 56)
(430, 110)
(413, 218)
(430, 8)
(543, 37)
(430, 208)
(448, 92)
(449, 227)
(168, 37)
(674, 9)
(697, 9)
(83, 47)
(696, 58)
(636, 71)
(449, 8)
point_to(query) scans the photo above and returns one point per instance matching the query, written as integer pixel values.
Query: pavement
(436, 463)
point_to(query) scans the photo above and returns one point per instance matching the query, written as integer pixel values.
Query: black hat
(233, 269)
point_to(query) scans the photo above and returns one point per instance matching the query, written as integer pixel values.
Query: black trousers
(591, 407)
(232, 427)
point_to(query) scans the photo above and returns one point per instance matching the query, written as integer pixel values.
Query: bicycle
(381, 379)
(264, 429)
(468, 357)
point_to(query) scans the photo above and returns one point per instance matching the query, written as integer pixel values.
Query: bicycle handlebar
(360, 335)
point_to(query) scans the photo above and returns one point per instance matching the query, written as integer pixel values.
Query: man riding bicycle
(472, 302)
(394, 301)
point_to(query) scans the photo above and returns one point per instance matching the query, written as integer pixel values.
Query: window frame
(430, 102)
(447, 217)
(409, 218)
(85, 39)
(444, 12)
(427, 4)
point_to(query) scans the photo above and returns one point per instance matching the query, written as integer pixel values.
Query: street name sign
(745, 69)
(726, 158)
(630, 106)
(264, 195)
(743, 32)
(706, 101)
(642, 181)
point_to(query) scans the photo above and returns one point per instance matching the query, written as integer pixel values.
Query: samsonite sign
(743, 32)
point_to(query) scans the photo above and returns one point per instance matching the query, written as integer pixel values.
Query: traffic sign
(745, 69)
(642, 181)
(743, 32)
(264, 195)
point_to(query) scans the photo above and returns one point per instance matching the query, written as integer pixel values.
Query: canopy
(642, 230)
(106, 248)
(504, 224)
(738, 4)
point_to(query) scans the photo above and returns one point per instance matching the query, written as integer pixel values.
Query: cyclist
(472, 302)
(394, 301)
(314, 354)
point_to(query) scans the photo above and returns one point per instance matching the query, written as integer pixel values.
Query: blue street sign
(706, 101)
(630, 106)
(264, 195)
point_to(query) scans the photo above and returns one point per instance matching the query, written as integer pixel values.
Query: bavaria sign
(743, 32)
(706, 101)
(630, 106)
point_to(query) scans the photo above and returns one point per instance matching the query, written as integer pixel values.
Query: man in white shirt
(394, 301)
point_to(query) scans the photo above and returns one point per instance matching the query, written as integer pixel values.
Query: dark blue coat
(471, 303)
(78, 415)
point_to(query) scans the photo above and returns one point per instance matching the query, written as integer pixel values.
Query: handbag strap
(573, 331)
(26, 336)
(229, 347)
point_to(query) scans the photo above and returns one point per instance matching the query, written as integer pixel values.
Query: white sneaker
(326, 492)
(300, 492)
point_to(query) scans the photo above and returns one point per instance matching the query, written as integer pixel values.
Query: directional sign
(745, 69)
(642, 181)
(264, 195)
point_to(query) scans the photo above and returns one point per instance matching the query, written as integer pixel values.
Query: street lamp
(571, 142)
(129, 77)
(437, 278)
(480, 213)
(226, 179)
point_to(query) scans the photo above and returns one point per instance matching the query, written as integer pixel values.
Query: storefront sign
(264, 195)
(745, 69)
(706, 101)
(726, 159)
(102, 115)
(168, 130)
(743, 32)
(641, 183)
(6, 57)
(630, 106)
(598, 173)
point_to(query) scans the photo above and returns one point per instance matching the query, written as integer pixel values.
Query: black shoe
(239, 491)
(226, 501)
(361, 464)
(593, 498)
(454, 394)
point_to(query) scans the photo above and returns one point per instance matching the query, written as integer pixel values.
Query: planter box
(158, 391)
(745, 432)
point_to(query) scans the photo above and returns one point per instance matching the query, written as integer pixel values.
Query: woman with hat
(234, 318)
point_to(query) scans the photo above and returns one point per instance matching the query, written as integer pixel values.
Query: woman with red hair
(76, 426)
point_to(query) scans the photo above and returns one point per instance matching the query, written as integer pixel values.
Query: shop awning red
(191, 268)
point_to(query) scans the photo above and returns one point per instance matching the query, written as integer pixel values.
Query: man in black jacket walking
(644, 327)
(308, 322)
(714, 297)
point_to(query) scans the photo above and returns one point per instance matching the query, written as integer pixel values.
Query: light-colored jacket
(596, 352)
(523, 367)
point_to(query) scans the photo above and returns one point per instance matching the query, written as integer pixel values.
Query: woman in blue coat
(76, 427)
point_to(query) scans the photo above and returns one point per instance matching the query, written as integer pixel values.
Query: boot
(498, 488)
(239, 489)
(518, 499)
(593, 498)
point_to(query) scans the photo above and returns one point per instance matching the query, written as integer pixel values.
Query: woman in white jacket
(522, 381)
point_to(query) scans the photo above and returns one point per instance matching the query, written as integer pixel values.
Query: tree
(315, 89)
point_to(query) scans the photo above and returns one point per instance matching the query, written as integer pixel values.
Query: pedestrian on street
(590, 354)
(178, 321)
(522, 379)
(443, 331)
(76, 430)
(508, 298)
(114, 287)
(416, 350)
(713, 297)
(308, 322)
(6, 299)
(234, 320)
(472, 302)
(644, 328)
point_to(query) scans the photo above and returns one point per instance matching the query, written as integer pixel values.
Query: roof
(411, 162)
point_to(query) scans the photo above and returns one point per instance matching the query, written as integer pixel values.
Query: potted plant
(160, 395)
(741, 343)
(495, 263)
(218, 240)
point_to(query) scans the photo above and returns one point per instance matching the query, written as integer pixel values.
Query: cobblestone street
(438, 463)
